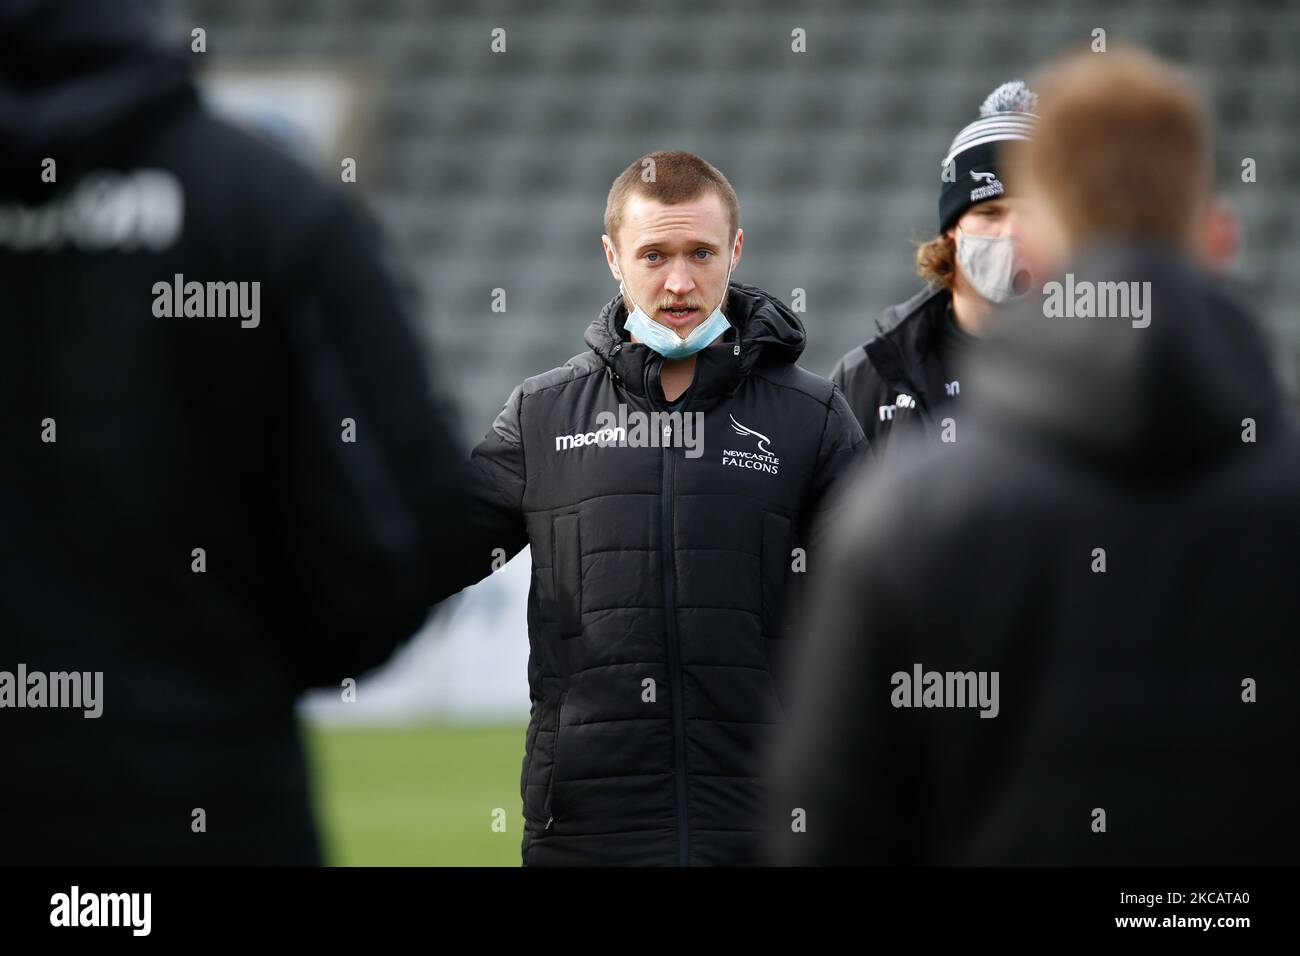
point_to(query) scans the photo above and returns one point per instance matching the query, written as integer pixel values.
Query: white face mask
(664, 340)
(991, 265)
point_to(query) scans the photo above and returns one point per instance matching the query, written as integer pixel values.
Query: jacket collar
(904, 348)
(762, 329)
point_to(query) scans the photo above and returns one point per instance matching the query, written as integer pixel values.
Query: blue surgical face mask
(664, 340)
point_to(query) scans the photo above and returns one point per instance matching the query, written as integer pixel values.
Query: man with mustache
(663, 549)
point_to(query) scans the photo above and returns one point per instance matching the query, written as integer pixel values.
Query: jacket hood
(763, 328)
(74, 74)
(1159, 392)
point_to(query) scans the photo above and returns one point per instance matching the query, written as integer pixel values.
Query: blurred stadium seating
(490, 170)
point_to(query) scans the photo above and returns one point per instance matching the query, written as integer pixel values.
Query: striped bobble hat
(970, 170)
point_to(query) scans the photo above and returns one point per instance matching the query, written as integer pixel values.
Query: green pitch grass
(422, 796)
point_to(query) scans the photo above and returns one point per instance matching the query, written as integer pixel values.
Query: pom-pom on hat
(970, 170)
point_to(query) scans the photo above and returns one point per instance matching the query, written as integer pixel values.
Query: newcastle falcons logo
(992, 186)
(742, 430)
(761, 460)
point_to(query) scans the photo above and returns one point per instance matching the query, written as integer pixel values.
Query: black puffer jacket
(896, 382)
(660, 576)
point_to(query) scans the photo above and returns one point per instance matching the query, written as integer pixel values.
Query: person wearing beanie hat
(906, 375)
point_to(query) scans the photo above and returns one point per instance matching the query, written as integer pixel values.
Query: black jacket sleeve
(865, 391)
(374, 486)
(492, 528)
(846, 772)
(843, 447)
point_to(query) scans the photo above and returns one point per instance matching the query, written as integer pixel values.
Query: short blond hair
(1122, 148)
(678, 177)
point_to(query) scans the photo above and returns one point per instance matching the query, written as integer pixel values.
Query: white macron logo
(601, 437)
(886, 412)
(633, 428)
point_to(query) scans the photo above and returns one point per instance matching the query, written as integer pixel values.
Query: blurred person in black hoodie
(213, 511)
(1069, 636)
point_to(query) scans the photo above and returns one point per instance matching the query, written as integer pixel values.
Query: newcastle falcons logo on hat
(992, 186)
(1006, 115)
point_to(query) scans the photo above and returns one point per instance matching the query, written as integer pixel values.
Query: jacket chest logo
(633, 428)
(903, 402)
(759, 459)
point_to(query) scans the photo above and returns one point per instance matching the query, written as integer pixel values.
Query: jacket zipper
(555, 763)
(674, 666)
(670, 620)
